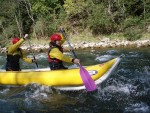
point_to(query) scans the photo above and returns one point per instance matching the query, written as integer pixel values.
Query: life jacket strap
(53, 60)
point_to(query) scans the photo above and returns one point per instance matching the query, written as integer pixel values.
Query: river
(126, 91)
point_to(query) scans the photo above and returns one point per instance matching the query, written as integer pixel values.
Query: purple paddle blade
(87, 80)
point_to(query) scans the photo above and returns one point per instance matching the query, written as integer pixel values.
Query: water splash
(112, 52)
(37, 91)
(137, 108)
(104, 58)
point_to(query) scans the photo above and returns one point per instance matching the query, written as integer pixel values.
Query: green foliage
(99, 17)
(76, 14)
(43, 8)
(6, 14)
(99, 21)
(132, 34)
(131, 21)
(134, 7)
(3, 41)
(11, 31)
(43, 27)
(48, 17)
(74, 7)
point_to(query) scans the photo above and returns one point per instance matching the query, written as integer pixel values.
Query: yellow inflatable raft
(69, 79)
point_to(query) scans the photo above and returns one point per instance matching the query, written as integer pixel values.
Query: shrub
(132, 34)
(99, 22)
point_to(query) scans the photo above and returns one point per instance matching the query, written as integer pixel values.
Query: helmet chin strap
(54, 44)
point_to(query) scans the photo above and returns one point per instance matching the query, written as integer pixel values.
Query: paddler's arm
(56, 53)
(15, 46)
(25, 58)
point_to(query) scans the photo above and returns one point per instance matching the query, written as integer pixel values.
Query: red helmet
(55, 37)
(15, 40)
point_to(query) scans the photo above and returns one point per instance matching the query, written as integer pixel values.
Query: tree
(47, 15)
(7, 19)
(76, 11)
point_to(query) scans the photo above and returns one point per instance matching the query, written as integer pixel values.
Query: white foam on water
(133, 54)
(3, 100)
(28, 102)
(38, 56)
(111, 51)
(73, 66)
(44, 55)
(68, 53)
(104, 58)
(37, 91)
(120, 89)
(4, 91)
(147, 70)
(138, 108)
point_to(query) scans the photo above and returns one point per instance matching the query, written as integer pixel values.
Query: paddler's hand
(25, 36)
(33, 60)
(77, 61)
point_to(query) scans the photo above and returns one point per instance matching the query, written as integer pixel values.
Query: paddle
(32, 53)
(86, 78)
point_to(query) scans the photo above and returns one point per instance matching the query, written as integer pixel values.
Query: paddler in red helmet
(14, 53)
(55, 53)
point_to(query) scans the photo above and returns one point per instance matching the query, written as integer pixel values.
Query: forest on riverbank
(82, 19)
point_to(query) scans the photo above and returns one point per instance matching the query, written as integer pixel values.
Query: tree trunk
(144, 16)
(18, 25)
(28, 7)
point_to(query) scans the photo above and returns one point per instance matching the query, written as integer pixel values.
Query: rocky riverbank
(104, 43)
